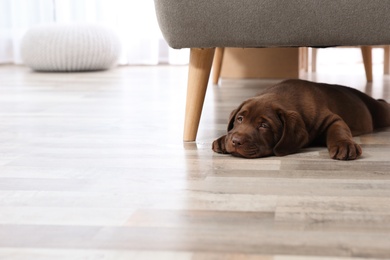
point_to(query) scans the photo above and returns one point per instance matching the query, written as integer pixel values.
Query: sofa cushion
(277, 23)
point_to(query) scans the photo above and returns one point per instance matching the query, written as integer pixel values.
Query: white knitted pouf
(71, 47)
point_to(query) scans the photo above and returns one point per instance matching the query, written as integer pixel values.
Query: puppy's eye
(263, 125)
(239, 119)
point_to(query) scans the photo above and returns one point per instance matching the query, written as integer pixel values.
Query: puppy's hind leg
(380, 113)
(379, 109)
(339, 141)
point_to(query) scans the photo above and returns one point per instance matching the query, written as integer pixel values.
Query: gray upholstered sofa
(203, 25)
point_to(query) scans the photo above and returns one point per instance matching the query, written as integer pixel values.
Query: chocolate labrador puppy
(296, 113)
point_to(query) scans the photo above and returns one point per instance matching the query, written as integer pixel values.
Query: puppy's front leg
(340, 143)
(219, 145)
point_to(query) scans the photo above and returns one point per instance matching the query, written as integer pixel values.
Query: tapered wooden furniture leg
(386, 60)
(313, 59)
(217, 64)
(303, 56)
(367, 60)
(201, 61)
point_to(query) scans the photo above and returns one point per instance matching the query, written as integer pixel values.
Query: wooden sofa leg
(314, 59)
(217, 64)
(386, 60)
(198, 76)
(367, 60)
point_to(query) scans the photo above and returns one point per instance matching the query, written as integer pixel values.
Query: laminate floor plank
(92, 166)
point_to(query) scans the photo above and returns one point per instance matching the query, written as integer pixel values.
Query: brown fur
(295, 114)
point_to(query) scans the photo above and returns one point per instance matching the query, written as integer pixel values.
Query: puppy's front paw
(345, 150)
(219, 145)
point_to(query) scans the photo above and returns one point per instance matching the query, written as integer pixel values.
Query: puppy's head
(259, 128)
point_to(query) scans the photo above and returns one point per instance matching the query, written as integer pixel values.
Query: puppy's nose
(238, 140)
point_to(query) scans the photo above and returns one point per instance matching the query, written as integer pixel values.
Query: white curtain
(134, 22)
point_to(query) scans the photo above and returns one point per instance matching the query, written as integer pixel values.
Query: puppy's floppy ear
(233, 116)
(231, 119)
(294, 134)
(219, 144)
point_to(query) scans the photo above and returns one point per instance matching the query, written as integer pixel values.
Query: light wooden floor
(92, 166)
